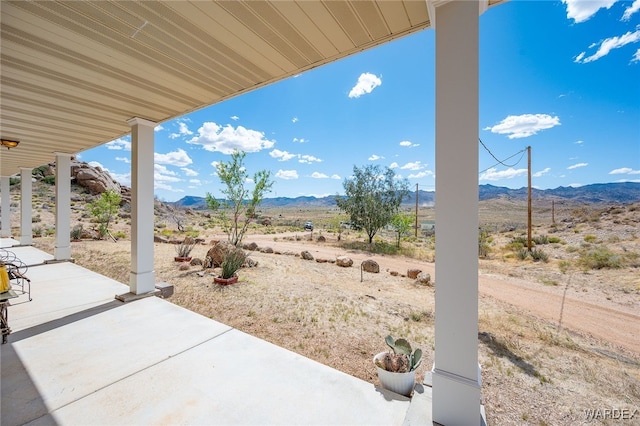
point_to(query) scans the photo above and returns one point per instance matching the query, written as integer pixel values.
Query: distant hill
(622, 192)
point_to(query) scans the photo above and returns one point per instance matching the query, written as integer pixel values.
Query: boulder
(423, 279)
(394, 273)
(306, 255)
(321, 239)
(371, 265)
(344, 261)
(94, 179)
(250, 246)
(266, 250)
(215, 255)
(413, 273)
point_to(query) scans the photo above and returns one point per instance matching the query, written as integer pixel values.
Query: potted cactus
(232, 261)
(183, 250)
(397, 367)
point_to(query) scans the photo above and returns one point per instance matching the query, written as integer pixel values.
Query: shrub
(119, 235)
(37, 231)
(541, 239)
(522, 254)
(50, 180)
(539, 255)
(76, 232)
(590, 238)
(600, 258)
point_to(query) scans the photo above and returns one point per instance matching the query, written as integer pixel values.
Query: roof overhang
(74, 72)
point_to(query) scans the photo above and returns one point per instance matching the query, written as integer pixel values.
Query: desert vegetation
(541, 364)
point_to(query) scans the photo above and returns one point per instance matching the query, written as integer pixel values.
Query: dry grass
(534, 372)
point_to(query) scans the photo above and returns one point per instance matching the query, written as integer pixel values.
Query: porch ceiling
(74, 72)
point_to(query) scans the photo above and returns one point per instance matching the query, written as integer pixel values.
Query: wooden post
(416, 232)
(529, 198)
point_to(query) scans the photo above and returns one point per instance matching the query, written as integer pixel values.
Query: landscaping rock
(423, 279)
(413, 273)
(266, 250)
(321, 239)
(250, 246)
(371, 265)
(306, 255)
(344, 261)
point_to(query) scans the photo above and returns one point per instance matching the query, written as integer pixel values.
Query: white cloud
(123, 159)
(189, 172)
(318, 175)
(525, 125)
(420, 174)
(294, 120)
(636, 56)
(281, 155)
(158, 128)
(213, 137)
(336, 177)
(581, 11)
(416, 165)
(162, 174)
(308, 159)
(164, 186)
(301, 140)
(375, 157)
(235, 118)
(177, 158)
(119, 144)
(366, 83)
(493, 174)
(542, 172)
(393, 165)
(578, 165)
(631, 10)
(183, 130)
(409, 144)
(287, 174)
(195, 181)
(607, 45)
(624, 171)
(579, 142)
(122, 178)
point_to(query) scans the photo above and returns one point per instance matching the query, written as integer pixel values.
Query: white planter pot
(400, 383)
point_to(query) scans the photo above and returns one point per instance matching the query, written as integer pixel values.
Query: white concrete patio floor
(78, 356)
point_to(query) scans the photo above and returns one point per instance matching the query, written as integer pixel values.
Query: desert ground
(557, 338)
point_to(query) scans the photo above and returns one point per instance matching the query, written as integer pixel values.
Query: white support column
(26, 237)
(62, 250)
(5, 206)
(142, 278)
(456, 379)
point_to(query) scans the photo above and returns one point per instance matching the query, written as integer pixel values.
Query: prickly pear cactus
(403, 359)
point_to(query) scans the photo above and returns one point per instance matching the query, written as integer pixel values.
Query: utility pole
(553, 212)
(416, 233)
(529, 199)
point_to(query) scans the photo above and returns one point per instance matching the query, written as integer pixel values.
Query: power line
(502, 161)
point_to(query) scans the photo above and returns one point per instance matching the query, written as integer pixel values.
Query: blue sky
(562, 77)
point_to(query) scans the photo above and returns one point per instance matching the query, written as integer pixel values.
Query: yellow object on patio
(4, 279)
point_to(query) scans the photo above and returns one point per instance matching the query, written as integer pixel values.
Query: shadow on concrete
(18, 390)
(502, 350)
(51, 325)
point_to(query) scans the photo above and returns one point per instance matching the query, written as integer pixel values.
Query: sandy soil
(553, 342)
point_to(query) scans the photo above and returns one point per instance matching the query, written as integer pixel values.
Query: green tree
(372, 197)
(238, 208)
(104, 210)
(402, 223)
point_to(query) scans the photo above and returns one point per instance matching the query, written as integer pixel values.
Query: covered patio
(79, 74)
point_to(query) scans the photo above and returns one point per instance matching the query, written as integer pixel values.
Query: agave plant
(402, 359)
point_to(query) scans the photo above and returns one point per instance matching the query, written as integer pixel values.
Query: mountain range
(621, 192)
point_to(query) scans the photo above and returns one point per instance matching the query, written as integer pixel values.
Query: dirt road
(610, 323)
